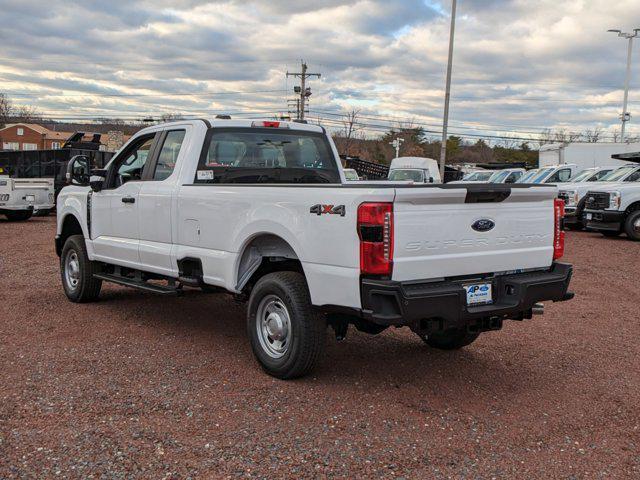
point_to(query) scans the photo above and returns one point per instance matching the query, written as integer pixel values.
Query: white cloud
(518, 63)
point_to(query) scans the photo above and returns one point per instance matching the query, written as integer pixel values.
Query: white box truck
(584, 155)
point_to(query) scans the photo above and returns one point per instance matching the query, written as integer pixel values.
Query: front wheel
(19, 215)
(77, 271)
(451, 339)
(632, 225)
(287, 336)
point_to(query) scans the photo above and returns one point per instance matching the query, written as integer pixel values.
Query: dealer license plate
(479, 294)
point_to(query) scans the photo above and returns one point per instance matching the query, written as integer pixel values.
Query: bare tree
(349, 129)
(615, 135)
(593, 135)
(16, 113)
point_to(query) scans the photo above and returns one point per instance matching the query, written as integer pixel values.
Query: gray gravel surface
(139, 386)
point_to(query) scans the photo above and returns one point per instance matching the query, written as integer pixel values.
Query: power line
(160, 94)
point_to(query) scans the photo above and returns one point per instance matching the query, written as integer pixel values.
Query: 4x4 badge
(328, 210)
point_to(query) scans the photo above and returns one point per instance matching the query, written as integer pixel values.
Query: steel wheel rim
(273, 326)
(636, 225)
(72, 269)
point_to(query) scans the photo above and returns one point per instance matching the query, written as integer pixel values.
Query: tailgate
(459, 230)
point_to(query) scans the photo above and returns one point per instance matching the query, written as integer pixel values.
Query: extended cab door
(156, 201)
(114, 228)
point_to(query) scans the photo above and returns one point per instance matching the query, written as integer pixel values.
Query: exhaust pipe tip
(538, 309)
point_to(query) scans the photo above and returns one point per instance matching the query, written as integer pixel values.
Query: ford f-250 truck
(262, 210)
(615, 208)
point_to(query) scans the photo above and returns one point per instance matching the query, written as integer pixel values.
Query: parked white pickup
(20, 197)
(262, 210)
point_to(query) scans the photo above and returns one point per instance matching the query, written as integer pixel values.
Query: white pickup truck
(574, 192)
(262, 210)
(614, 208)
(21, 197)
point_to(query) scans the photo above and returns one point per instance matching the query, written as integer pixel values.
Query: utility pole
(302, 90)
(447, 93)
(626, 116)
(396, 144)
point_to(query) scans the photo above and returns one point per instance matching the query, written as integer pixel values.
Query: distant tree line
(351, 140)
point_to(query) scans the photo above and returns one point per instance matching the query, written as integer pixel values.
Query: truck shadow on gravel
(397, 357)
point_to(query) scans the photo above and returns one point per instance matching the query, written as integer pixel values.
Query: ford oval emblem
(483, 225)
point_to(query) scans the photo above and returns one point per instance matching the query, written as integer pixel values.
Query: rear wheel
(632, 225)
(451, 339)
(19, 215)
(77, 271)
(287, 335)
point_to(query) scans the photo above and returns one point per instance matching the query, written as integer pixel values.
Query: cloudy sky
(519, 66)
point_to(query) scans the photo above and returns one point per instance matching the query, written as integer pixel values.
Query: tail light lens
(558, 229)
(375, 229)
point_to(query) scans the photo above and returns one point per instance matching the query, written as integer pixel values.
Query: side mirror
(78, 170)
(430, 180)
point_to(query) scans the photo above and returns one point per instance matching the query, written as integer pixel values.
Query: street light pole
(626, 116)
(447, 94)
(396, 144)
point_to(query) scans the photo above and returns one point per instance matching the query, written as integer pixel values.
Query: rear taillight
(558, 229)
(375, 229)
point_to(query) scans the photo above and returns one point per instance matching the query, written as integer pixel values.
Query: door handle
(128, 200)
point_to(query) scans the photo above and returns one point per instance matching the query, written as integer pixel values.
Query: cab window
(561, 175)
(266, 155)
(168, 154)
(129, 166)
(634, 177)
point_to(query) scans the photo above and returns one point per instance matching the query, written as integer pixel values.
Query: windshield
(542, 175)
(477, 176)
(527, 176)
(584, 176)
(399, 174)
(618, 174)
(499, 177)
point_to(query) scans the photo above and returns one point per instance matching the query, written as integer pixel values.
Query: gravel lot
(142, 386)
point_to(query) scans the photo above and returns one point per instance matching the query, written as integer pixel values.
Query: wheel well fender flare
(69, 225)
(255, 249)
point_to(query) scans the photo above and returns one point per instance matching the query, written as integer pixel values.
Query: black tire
(632, 225)
(286, 295)
(19, 216)
(80, 286)
(451, 339)
(610, 233)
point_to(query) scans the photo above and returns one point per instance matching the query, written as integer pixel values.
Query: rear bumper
(604, 220)
(425, 306)
(15, 208)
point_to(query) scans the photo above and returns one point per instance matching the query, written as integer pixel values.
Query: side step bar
(139, 284)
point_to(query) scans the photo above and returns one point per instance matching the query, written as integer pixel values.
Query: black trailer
(376, 171)
(53, 163)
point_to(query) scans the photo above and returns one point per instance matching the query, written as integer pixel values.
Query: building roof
(59, 136)
(33, 126)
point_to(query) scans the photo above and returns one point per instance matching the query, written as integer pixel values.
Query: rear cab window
(266, 155)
